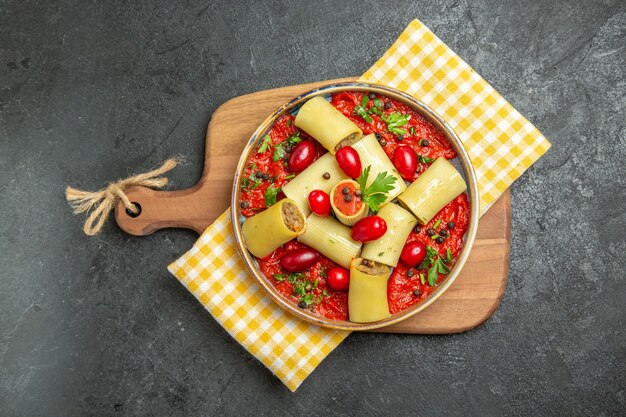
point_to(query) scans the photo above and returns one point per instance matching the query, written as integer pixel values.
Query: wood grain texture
(471, 300)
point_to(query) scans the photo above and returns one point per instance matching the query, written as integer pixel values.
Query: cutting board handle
(164, 209)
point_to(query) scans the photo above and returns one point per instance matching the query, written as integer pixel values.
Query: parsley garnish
(279, 277)
(376, 194)
(422, 279)
(279, 152)
(437, 264)
(380, 254)
(395, 120)
(290, 176)
(425, 160)
(362, 111)
(267, 140)
(294, 139)
(270, 195)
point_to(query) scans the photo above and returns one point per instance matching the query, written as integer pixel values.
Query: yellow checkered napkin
(216, 275)
(502, 145)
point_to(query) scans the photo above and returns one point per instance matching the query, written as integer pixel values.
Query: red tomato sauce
(401, 287)
(417, 128)
(273, 162)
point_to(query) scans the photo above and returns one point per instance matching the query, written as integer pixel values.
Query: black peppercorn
(430, 231)
(424, 142)
(440, 239)
(259, 174)
(372, 96)
(348, 198)
(326, 176)
(417, 292)
(410, 273)
(244, 204)
(417, 229)
(265, 176)
(345, 190)
(444, 233)
(387, 105)
(451, 225)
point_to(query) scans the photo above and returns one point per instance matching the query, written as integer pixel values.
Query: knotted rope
(100, 203)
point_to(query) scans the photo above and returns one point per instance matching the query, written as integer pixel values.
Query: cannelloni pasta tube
(367, 296)
(272, 228)
(331, 238)
(312, 178)
(348, 208)
(387, 249)
(372, 154)
(327, 125)
(437, 186)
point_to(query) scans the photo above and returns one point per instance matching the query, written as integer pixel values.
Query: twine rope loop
(100, 203)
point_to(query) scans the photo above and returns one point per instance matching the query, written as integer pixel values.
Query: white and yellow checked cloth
(502, 145)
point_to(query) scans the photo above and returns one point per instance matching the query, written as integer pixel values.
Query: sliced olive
(345, 190)
(444, 233)
(400, 138)
(417, 292)
(244, 204)
(410, 273)
(301, 304)
(417, 229)
(430, 231)
(378, 136)
(383, 142)
(424, 142)
(440, 239)
(451, 225)
(387, 105)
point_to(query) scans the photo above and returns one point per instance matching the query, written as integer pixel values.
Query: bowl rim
(429, 114)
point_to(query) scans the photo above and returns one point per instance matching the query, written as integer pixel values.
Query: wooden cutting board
(471, 300)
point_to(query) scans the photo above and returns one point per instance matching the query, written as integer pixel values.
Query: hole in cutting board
(138, 207)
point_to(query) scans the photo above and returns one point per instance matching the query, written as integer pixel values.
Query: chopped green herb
(323, 272)
(437, 223)
(293, 277)
(253, 167)
(412, 130)
(378, 103)
(376, 194)
(381, 253)
(377, 108)
(294, 139)
(449, 257)
(422, 279)
(394, 122)
(425, 160)
(267, 140)
(435, 236)
(289, 122)
(270, 195)
(308, 299)
(279, 277)
(279, 152)
(362, 111)
(290, 176)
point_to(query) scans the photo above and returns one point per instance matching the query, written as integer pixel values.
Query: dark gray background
(93, 91)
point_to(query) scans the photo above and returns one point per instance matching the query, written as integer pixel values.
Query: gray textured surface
(94, 91)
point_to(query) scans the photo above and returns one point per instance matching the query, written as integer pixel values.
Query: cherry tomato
(302, 156)
(369, 228)
(405, 161)
(319, 202)
(413, 253)
(349, 161)
(299, 260)
(338, 279)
